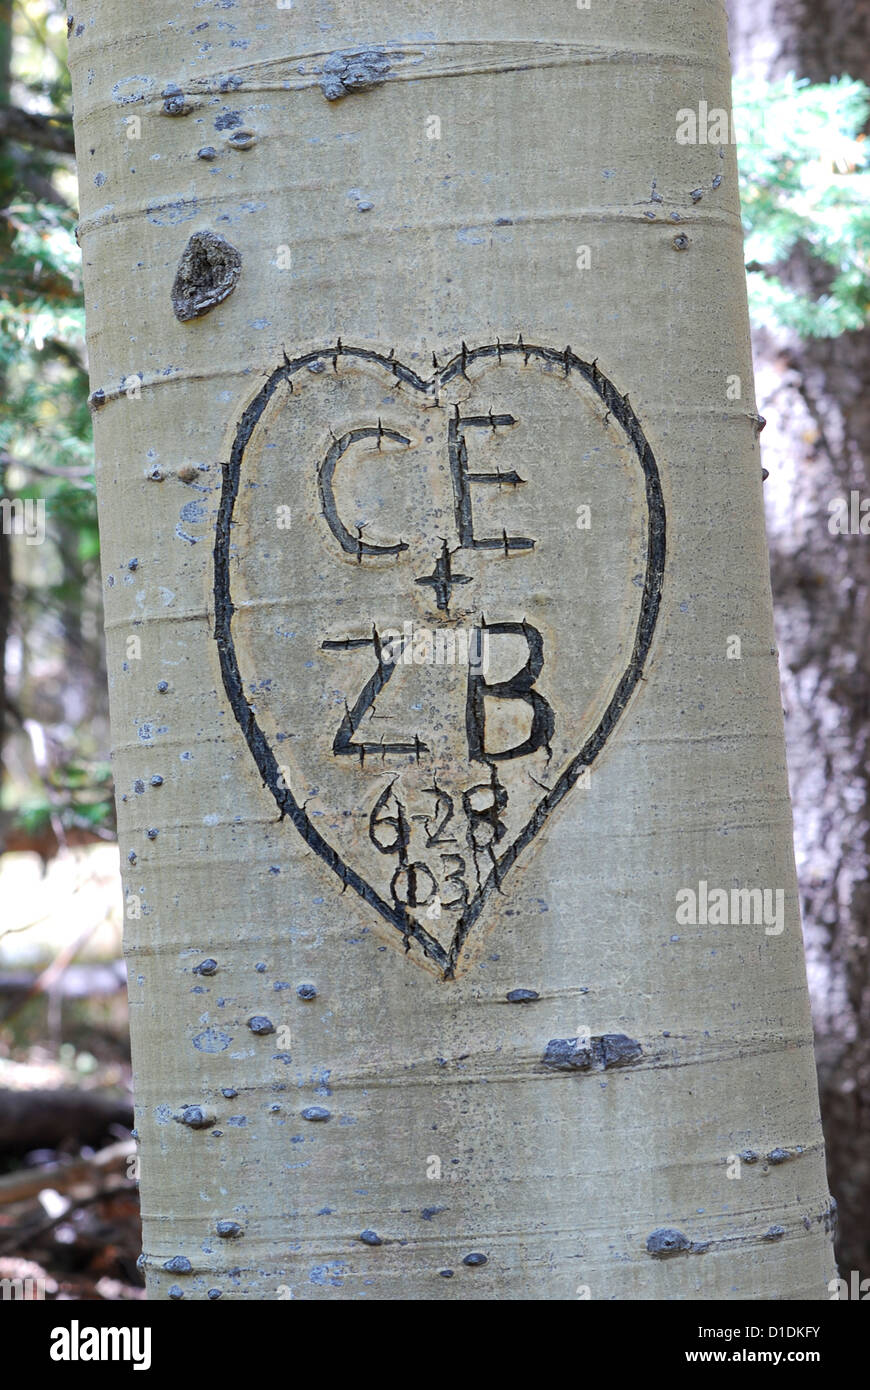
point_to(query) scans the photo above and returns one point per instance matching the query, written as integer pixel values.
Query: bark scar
(354, 70)
(208, 272)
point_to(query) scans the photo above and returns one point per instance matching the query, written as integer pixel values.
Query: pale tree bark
(816, 397)
(417, 1009)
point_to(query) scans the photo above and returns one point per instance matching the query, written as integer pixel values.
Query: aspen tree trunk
(464, 946)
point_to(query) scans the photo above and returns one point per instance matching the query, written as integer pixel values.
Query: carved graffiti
(420, 780)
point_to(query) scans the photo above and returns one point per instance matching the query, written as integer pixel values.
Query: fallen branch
(29, 1182)
(48, 132)
(45, 1119)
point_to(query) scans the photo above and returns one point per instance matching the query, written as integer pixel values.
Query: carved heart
(490, 622)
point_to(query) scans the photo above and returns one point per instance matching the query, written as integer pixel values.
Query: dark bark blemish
(212, 1040)
(207, 274)
(207, 152)
(475, 1258)
(229, 1230)
(206, 967)
(260, 1024)
(774, 1233)
(829, 1216)
(567, 1054)
(666, 1242)
(355, 70)
(315, 1112)
(194, 1117)
(616, 1050)
(370, 1238)
(242, 139)
(174, 103)
(575, 1054)
(306, 992)
(522, 996)
(179, 1264)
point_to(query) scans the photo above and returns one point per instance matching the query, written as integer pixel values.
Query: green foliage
(805, 182)
(45, 431)
(45, 446)
(79, 794)
(44, 422)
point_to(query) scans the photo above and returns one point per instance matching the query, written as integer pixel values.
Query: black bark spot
(575, 1054)
(666, 1242)
(194, 1117)
(208, 273)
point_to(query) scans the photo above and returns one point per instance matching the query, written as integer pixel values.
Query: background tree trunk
(595, 1097)
(816, 397)
(6, 186)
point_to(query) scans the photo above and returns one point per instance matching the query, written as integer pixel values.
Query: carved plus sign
(443, 579)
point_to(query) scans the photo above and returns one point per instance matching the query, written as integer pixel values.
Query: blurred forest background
(68, 1209)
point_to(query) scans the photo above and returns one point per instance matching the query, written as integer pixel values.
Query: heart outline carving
(617, 407)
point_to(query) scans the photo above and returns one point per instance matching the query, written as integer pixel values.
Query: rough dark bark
(5, 619)
(5, 547)
(816, 397)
